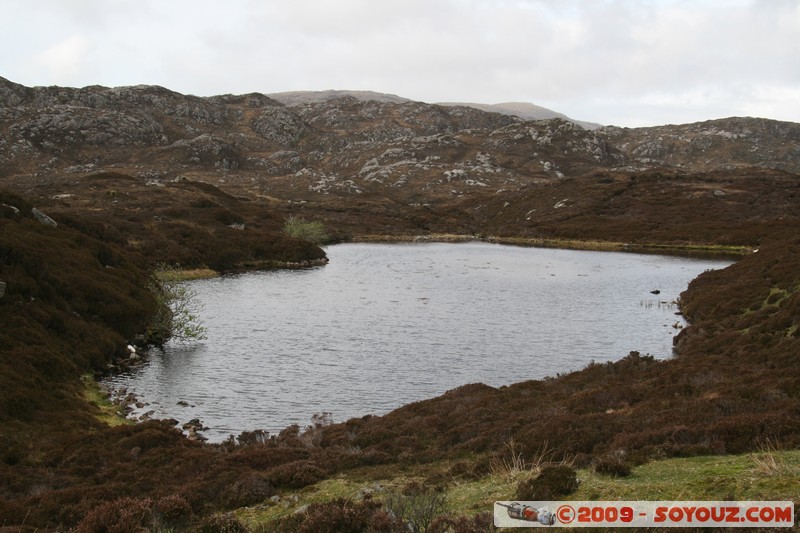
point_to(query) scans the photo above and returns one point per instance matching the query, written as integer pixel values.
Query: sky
(623, 62)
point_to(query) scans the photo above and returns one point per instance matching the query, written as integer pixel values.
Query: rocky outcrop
(278, 124)
(715, 144)
(350, 144)
(61, 127)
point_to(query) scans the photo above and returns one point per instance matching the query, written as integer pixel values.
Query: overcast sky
(623, 62)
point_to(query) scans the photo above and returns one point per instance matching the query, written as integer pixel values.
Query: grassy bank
(195, 273)
(570, 244)
(106, 411)
(769, 474)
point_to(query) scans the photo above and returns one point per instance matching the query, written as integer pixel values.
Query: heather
(72, 302)
(100, 186)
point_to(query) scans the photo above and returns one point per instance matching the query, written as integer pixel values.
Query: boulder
(42, 218)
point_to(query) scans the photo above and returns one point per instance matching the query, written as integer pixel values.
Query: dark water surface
(384, 325)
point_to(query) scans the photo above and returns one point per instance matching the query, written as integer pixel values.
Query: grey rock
(280, 125)
(43, 219)
(11, 208)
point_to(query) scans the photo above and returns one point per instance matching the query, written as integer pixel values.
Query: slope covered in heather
(139, 175)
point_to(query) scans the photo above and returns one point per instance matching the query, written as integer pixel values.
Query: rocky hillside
(386, 164)
(525, 111)
(712, 145)
(348, 145)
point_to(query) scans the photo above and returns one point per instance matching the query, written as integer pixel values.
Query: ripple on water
(384, 325)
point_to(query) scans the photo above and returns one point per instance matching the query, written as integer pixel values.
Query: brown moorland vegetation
(191, 224)
(143, 175)
(72, 301)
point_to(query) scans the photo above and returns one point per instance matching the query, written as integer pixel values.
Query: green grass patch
(309, 230)
(259, 517)
(472, 497)
(766, 475)
(105, 411)
(196, 273)
(738, 477)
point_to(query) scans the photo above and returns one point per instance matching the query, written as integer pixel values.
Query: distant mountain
(525, 111)
(294, 98)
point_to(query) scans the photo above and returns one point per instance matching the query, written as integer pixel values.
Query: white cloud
(628, 62)
(63, 61)
(773, 101)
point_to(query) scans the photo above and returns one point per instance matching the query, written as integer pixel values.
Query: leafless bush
(766, 461)
(416, 506)
(510, 463)
(312, 436)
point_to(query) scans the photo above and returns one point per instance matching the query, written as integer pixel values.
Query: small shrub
(375, 457)
(119, 516)
(222, 523)
(509, 463)
(551, 483)
(306, 230)
(313, 435)
(467, 470)
(257, 437)
(612, 465)
(248, 491)
(178, 308)
(146, 437)
(172, 512)
(766, 461)
(297, 474)
(416, 506)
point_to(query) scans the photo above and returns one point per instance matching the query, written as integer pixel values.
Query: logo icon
(565, 514)
(527, 513)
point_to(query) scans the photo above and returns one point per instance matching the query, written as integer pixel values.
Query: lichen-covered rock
(714, 144)
(43, 219)
(69, 126)
(280, 125)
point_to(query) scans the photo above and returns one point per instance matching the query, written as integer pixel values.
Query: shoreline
(566, 244)
(191, 274)
(198, 274)
(685, 250)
